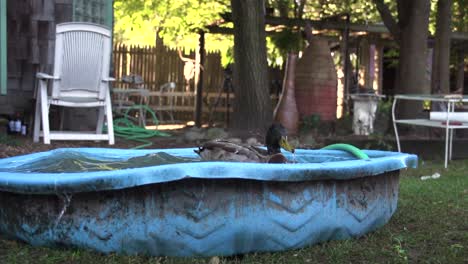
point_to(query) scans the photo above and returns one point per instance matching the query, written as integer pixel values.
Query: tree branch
(308, 32)
(300, 9)
(388, 19)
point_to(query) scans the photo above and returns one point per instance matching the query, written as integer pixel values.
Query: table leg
(451, 144)
(446, 145)
(452, 109)
(395, 125)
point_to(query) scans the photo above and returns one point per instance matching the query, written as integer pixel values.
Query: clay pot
(286, 110)
(316, 81)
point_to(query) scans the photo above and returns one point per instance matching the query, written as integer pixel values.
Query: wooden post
(199, 80)
(358, 57)
(379, 66)
(346, 65)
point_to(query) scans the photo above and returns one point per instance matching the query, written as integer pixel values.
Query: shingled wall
(30, 34)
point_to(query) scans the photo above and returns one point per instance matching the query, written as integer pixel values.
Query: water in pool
(73, 161)
(78, 162)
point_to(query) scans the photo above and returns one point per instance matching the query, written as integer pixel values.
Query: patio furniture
(80, 79)
(447, 119)
(166, 105)
(124, 103)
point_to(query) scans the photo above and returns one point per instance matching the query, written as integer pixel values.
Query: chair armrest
(108, 79)
(45, 76)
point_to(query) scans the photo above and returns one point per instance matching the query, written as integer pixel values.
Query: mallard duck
(223, 150)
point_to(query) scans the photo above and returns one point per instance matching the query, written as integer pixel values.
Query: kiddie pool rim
(51, 183)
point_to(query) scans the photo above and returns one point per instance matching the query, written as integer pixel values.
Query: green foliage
(9, 141)
(392, 55)
(344, 125)
(178, 22)
(383, 119)
(399, 248)
(361, 11)
(460, 15)
(309, 123)
(384, 106)
(288, 40)
(379, 141)
(274, 56)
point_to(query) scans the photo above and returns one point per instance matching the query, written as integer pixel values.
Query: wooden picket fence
(159, 65)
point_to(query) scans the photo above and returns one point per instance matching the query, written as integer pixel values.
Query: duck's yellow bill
(285, 144)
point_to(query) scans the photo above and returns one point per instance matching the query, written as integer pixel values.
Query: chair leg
(100, 122)
(37, 120)
(110, 124)
(62, 115)
(45, 115)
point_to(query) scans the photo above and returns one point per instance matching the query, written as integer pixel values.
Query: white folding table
(449, 123)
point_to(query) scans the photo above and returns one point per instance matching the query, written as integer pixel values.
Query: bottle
(18, 125)
(11, 126)
(24, 129)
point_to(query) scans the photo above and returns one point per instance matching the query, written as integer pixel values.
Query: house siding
(30, 47)
(3, 58)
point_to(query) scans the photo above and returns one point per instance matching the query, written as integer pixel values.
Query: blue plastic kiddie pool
(99, 199)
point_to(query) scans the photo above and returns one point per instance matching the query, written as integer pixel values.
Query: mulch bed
(21, 145)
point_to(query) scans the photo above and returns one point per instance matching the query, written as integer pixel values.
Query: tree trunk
(413, 52)
(411, 33)
(461, 72)
(252, 104)
(440, 82)
(461, 51)
(413, 48)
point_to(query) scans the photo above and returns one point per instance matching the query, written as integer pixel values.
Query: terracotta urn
(316, 81)
(286, 110)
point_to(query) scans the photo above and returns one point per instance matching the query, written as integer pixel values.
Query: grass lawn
(429, 226)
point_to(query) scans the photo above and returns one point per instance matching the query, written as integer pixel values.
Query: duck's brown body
(223, 150)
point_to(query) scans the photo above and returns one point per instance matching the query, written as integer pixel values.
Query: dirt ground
(429, 148)
(187, 137)
(15, 145)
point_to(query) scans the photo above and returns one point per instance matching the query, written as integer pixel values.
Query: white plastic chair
(80, 79)
(166, 106)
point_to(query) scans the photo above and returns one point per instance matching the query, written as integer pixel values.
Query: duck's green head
(277, 138)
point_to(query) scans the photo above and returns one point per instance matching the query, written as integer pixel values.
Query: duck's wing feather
(229, 151)
(260, 150)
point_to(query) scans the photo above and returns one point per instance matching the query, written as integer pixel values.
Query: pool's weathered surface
(200, 209)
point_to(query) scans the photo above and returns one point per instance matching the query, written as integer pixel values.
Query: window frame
(3, 48)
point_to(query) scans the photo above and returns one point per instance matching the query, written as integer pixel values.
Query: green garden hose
(125, 128)
(349, 148)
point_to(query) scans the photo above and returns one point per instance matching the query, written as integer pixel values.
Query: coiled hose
(125, 128)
